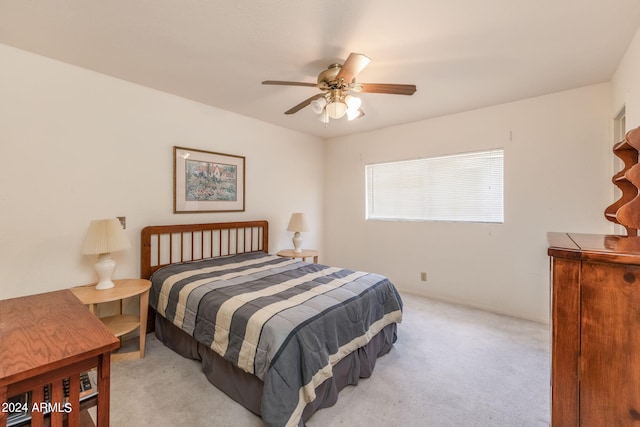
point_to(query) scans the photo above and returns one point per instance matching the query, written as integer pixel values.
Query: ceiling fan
(336, 83)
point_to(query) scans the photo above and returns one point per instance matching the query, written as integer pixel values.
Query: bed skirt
(246, 389)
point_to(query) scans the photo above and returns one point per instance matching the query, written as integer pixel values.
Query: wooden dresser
(595, 309)
(44, 339)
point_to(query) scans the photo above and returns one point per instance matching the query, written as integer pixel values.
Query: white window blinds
(461, 187)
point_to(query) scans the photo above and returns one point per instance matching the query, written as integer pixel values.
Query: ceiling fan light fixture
(354, 114)
(352, 102)
(334, 82)
(336, 109)
(324, 116)
(317, 105)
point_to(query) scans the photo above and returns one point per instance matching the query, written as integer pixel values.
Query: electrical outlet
(123, 221)
(423, 276)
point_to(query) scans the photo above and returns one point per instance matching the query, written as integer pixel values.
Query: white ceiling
(461, 54)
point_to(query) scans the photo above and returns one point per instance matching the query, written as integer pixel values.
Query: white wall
(77, 145)
(557, 178)
(66, 133)
(626, 84)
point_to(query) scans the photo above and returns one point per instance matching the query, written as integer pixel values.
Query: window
(461, 187)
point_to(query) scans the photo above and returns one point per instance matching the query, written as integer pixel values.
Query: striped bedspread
(287, 322)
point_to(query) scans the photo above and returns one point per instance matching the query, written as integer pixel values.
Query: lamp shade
(354, 114)
(317, 105)
(298, 222)
(324, 116)
(104, 236)
(352, 102)
(336, 109)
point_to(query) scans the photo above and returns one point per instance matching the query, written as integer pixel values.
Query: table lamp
(297, 223)
(105, 236)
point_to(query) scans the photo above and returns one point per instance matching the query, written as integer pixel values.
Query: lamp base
(297, 242)
(107, 284)
(105, 267)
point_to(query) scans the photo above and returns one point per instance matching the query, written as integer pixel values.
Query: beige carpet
(451, 366)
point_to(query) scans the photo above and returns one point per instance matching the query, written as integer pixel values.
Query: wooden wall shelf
(626, 210)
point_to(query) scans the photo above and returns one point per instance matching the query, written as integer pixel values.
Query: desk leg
(144, 308)
(104, 386)
(57, 397)
(37, 397)
(74, 400)
(3, 399)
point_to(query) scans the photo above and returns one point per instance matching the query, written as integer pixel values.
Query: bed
(280, 336)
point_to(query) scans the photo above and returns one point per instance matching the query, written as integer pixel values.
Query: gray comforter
(285, 321)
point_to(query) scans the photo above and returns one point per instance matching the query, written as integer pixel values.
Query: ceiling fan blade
(284, 83)
(394, 89)
(303, 104)
(352, 66)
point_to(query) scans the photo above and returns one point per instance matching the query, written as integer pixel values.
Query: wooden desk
(120, 324)
(305, 253)
(46, 338)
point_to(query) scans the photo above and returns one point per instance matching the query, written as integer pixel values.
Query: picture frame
(206, 181)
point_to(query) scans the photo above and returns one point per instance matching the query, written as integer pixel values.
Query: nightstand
(306, 253)
(120, 324)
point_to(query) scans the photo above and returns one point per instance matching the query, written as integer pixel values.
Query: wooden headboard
(167, 244)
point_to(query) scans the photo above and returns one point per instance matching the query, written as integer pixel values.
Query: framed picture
(205, 181)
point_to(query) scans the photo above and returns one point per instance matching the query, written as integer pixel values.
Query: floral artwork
(206, 181)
